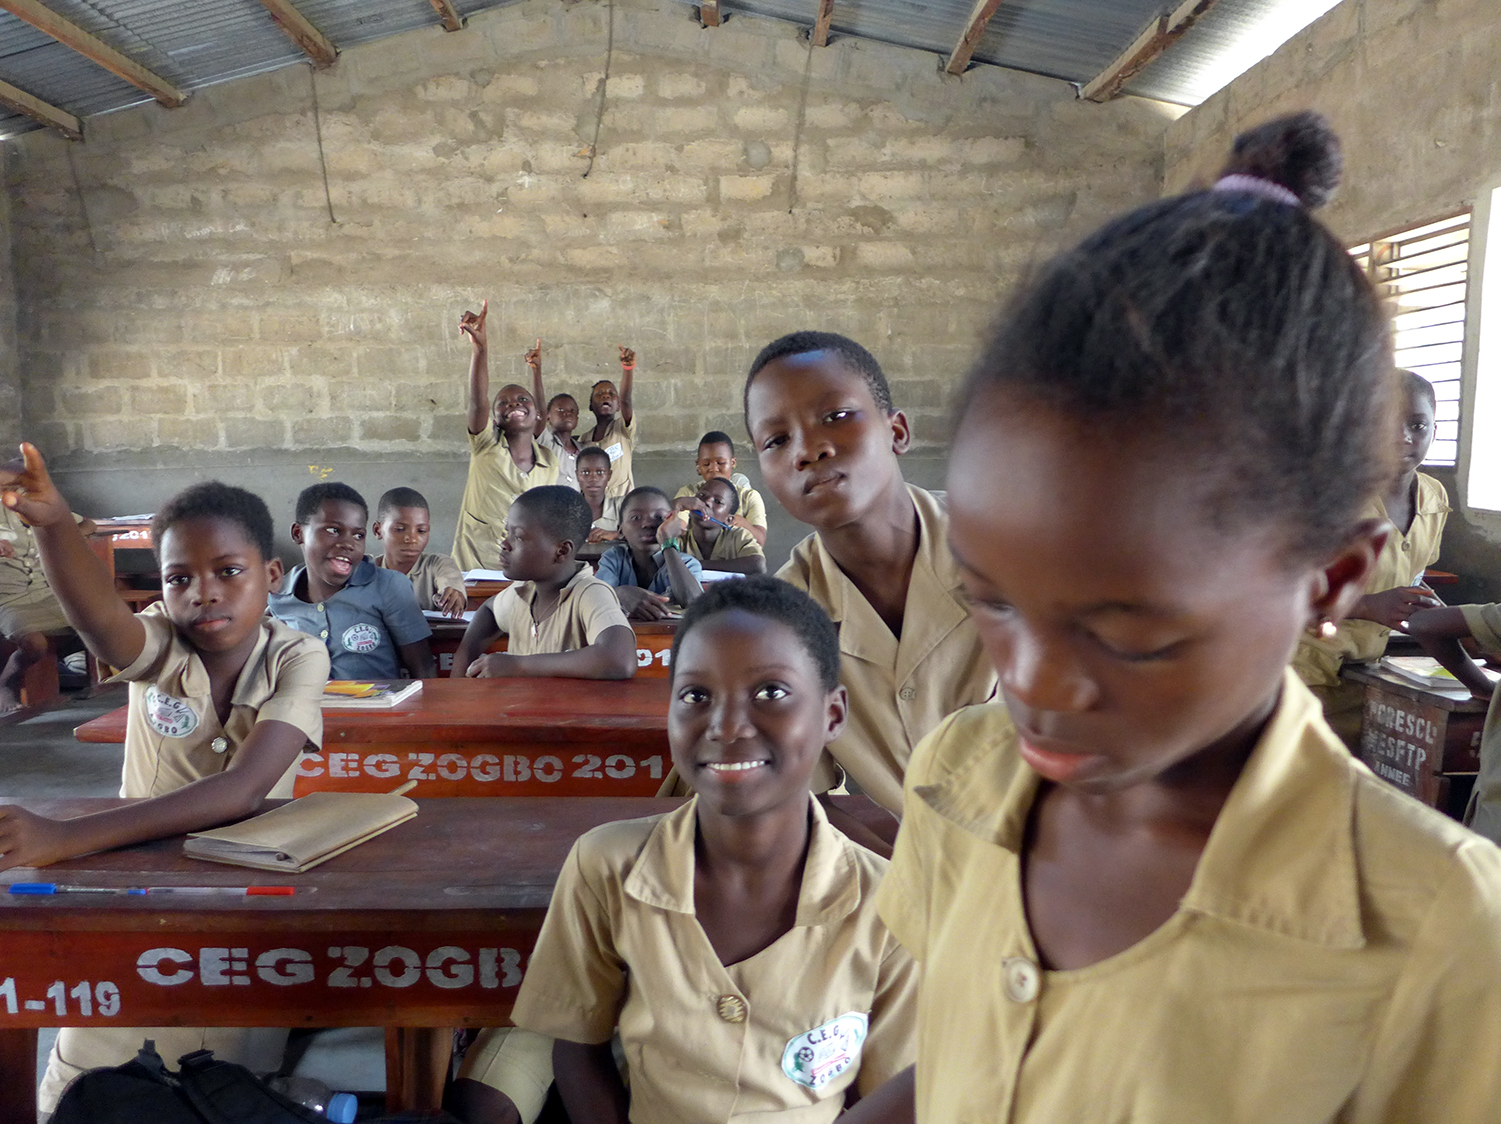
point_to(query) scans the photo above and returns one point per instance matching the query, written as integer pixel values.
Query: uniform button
(1407, 546)
(219, 745)
(1023, 980)
(908, 693)
(731, 1008)
(320, 606)
(324, 634)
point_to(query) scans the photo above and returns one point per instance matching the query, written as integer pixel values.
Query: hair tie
(1255, 185)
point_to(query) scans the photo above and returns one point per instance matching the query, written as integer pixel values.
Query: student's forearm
(481, 633)
(611, 656)
(684, 585)
(1439, 632)
(749, 564)
(894, 1102)
(590, 1083)
(539, 396)
(83, 584)
(757, 533)
(479, 390)
(419, 660)
(627, 381)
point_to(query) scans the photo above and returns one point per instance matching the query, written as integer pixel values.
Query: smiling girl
(1162, 891)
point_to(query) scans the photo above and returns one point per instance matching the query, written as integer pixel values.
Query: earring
(1327, 630)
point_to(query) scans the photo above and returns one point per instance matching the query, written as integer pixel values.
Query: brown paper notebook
(302, 833)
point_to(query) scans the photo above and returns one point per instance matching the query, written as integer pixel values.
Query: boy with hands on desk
(222, 701)
(403, 525)
(560, 618)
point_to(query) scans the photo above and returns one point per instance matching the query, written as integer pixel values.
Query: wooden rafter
(974, 28)
(300, 31)
(1166, 30)
(452, 21)
(708, 13)
(75, 38)
(64, 122)
(821, 27)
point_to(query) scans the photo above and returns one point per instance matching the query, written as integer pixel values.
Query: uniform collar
(933, 608)
(527, 591)
(1281, 856)
(195, 681)
(663, 873)
(362, 574)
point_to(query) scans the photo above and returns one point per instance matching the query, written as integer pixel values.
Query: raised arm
(1439, 631)
(479, 367)
(627, 377)
(534, 361)
(78, 576)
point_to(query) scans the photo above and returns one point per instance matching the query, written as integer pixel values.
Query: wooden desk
(1425, 742)
(488, 737)
(481, 591)
(653, 646)
(121, 534)
(429, 925)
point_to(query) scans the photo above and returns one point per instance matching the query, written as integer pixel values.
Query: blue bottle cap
(342, 1108)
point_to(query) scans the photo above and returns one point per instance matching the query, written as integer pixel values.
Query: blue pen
(61, 888)
(711, 519)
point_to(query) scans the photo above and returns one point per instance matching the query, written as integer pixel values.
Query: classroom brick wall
(1411, 87)
(191, 301)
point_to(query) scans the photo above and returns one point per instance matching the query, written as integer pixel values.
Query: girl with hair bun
(1153, 886)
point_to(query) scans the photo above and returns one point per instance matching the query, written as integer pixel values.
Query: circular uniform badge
(361, 638)
(823, 1053)
(169, 716)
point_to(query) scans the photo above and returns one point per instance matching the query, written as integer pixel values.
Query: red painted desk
(488, 737)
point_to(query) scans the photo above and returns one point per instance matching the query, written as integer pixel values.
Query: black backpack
(203, 1091)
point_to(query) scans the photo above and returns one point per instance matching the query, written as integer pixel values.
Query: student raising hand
(474, 327)
(533, 358)
(27, 489)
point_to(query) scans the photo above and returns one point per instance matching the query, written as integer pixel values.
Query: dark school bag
(203, 1091)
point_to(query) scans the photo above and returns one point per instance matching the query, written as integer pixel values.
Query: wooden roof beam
(1166, 30)
(708, 13)
(974, 29)
(821, 27)
(13, 97)
(75, 38)
(300, 31)
(452, 21)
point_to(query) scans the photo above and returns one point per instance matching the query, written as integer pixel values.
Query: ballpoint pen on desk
(241, 891)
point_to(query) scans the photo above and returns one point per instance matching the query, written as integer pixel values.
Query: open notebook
(302, 833)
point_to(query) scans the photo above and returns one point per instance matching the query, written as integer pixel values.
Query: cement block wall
(1411, 87)
(225, 319)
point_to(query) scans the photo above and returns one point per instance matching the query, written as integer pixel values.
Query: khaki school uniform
(775, 1039)
(1401, 563)
(27, 603)
(494, 482)
(172, 738)
(618, 441)
(431, 574)
(752, 506)
(1484, 812)
(586, 607)
(609, 518)
(568, 471)
(732, 543)
(1336, 959)
(899, 688)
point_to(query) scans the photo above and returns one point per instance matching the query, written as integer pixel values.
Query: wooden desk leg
(417, 1060)
(18, 1073)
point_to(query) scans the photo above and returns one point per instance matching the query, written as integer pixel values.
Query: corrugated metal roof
(196, 43)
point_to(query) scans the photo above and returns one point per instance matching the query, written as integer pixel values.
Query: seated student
(560, 618)
(732, 942)
(716, 457)
(702, 523)
(648, 575)
(223, 699)
(367, 617)
(29, 613)
(504, 457)
(403, 525)
(1416, 506)
(594, 485)
(819, 412)
(1154, 886)
(554, 429)
(614, 428)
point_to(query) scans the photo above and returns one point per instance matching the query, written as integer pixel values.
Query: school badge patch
(169, 716)
(823, 1053)
(361, 638)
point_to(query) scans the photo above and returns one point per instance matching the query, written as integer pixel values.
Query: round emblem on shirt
(361, 638)
(823, 1053)
(169, 716)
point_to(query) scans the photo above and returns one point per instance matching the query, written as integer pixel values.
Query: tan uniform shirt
(494, 482)
(752, 506)
(27, 603)
(775, 1038)
(172, 732)
(585, 608)
(568, 471)
(431, 574)
(618, 440)
(733, 542)
(1401, 563)
(609, 519)
(1336, 958)
(899, 689)
(1484, 813)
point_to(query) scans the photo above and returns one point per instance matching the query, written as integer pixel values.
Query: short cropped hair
(775, 600)
(1415, 383)
(312, 498)
(717, 437)
(556, 398)
(592, 451)
(213, 500)
(637, 493)
(856, 358)
(400, 497)
(734, 504)
(563, 512)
